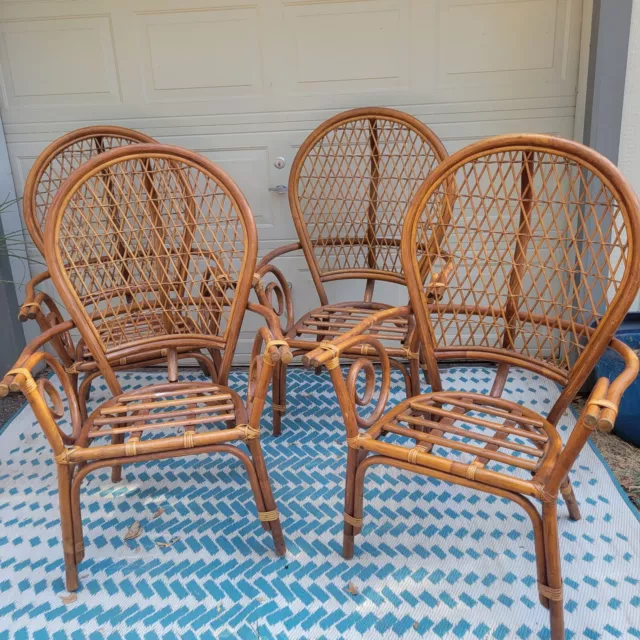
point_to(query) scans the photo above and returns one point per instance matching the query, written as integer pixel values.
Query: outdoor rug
(434, 560)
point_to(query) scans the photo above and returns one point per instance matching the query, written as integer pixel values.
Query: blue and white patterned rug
(434, 560)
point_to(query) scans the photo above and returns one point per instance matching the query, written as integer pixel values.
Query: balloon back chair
(349, 188)
(536, 259)
(162, 235)
(51, 168)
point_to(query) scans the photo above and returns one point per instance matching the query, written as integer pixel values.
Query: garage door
(244, 82)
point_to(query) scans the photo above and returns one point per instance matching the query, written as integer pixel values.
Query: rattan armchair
(51, 168)
(156, 234)
(349, 188)
(544, 235)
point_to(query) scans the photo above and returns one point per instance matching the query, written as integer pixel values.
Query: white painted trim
(583, 70)
(11, 222)
(629, 151)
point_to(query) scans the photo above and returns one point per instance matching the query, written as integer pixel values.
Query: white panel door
(244, 83)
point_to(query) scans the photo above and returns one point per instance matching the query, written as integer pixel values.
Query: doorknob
(281, 188)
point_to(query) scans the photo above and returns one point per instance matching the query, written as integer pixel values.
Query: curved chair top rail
(152, 246)
(58, 161)
(532, 239)
(349, 188)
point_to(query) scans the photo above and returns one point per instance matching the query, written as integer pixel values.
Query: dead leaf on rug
(134, 531)
(158, 513)
(68, 599)
(352, 589)
(171, 542)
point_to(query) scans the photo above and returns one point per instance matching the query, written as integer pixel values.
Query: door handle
(281, 188)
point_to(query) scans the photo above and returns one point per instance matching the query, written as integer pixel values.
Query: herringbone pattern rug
(434, 560)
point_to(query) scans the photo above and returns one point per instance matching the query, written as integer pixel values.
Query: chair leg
(570, 498)
(554, 569)
(349, 502)
(116, 470)
(279, 394)
(414, 373)
(66, 524)
(84, 392)
(76, 517)
(267, 494)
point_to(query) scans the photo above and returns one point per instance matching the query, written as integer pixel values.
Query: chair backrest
(349, 188)
(152, 247)
(535, 241)
(54, 165)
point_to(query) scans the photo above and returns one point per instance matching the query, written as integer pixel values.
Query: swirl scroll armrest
(42, 308)
(20, 378)
(272, 333)
(266, 291)
(347, 391)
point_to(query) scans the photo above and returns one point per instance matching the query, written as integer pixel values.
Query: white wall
(629, 155)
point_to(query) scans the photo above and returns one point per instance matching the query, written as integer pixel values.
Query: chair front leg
(279, 396)
(350, 520)
(553, 589)
(66, 524)
(270, 516)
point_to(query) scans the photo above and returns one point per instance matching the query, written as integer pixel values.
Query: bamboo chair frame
(553, 268)
(51, 168)
(180, 223)
(349, 186)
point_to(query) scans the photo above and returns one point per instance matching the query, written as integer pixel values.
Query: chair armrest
(269, 347)
(272, 333)
(327, 351)
(280, 288)
(20, 378)
(602, 407)
(30, 357)
(32, 302)
(265, 292)
(276, 253)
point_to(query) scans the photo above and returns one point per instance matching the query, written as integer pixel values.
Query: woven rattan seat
(332, 320)
(473, 435)
(170, 410)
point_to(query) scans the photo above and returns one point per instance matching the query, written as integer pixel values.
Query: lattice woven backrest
(54, 165)
(149, 241)
(350, 187)
(539, 239)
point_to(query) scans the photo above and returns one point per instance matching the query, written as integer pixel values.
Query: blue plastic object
(610, 365)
